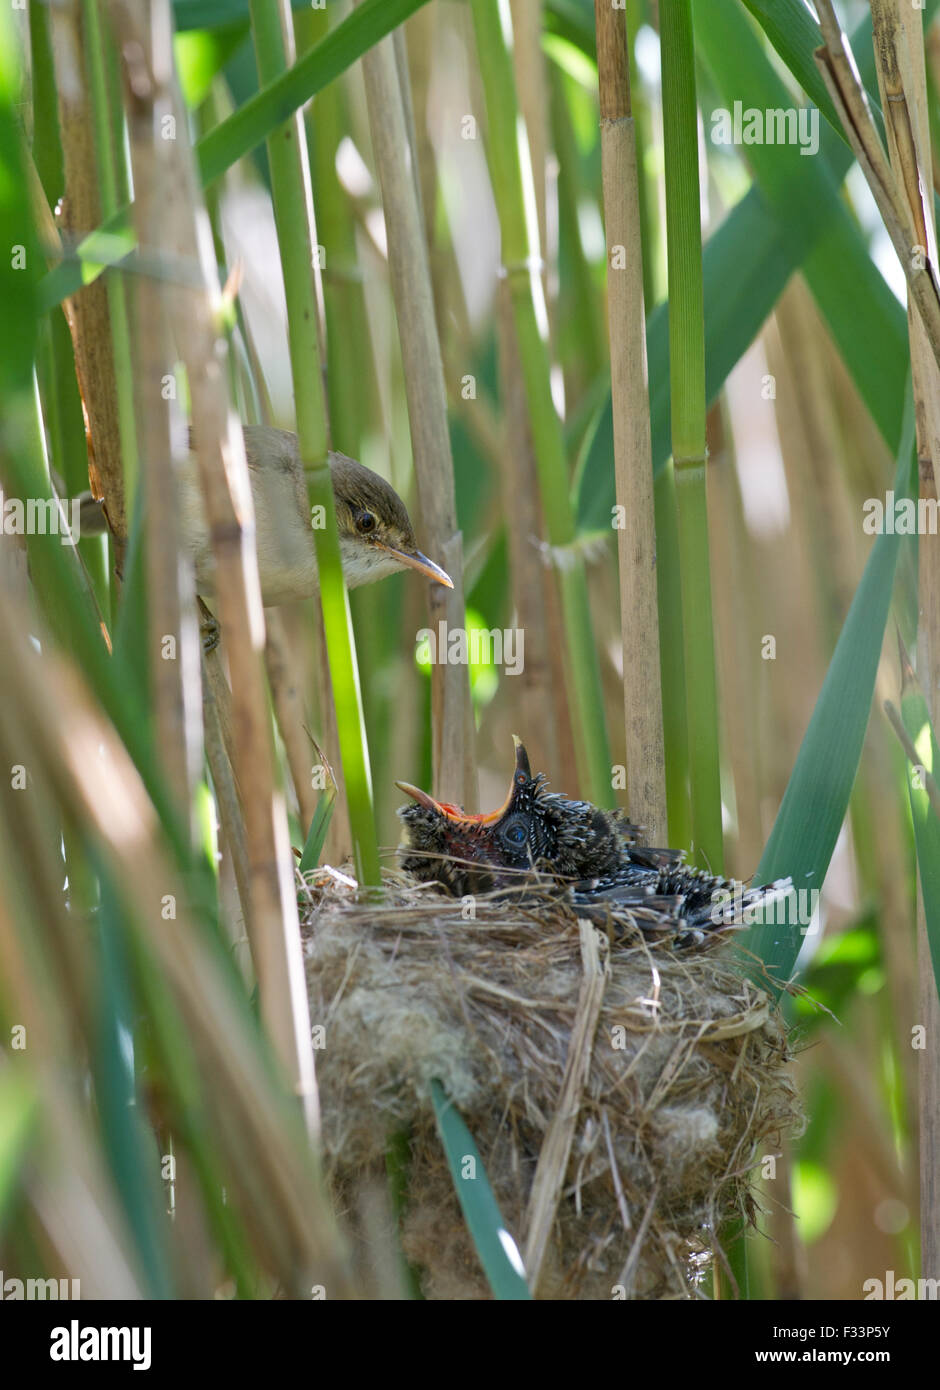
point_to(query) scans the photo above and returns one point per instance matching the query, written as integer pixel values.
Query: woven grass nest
(620, 1093)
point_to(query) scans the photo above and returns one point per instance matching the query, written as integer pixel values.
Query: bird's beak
(522, 757)
(455, 813)
(423, 799)
(416, 561)
(449, 812)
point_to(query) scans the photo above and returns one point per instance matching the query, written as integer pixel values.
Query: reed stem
(636, 530)
(688, 413)
(290, 185)
(511, 176)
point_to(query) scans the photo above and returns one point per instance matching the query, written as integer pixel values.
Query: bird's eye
(515, 832)
(365, 522)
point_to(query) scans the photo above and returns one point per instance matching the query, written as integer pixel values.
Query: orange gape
(540, 842)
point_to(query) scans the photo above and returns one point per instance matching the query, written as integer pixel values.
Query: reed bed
(643, 384)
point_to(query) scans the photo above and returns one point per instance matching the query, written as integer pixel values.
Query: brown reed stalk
(899, 58)
(89, 312)
(544, 693)
(450, 307)
(224, 784)
(172, 643)
(541, 694)
(555, 1153)
(287, 696)
(737, 644)
(453, 762)
(900, 217)
(633, 466)
(419, 39)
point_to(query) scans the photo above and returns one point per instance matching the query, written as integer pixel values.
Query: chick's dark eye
(515, 832)
(365, 522)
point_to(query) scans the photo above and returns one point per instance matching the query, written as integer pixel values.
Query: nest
(620, 1093)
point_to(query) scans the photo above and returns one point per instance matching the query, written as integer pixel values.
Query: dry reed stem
(902, 147)
(225, 787)
(899, 54)
(223, 472)
(736, 643)
(539, 688)
(454, 771)
(813, 446)
(556, 1147)
(400, 49)
(285, 677)
(218, 691)
(174, 673)
(932, 55)
(633, 466)
(901, 224)
(88, 312)
(450, 307)
(417, 62)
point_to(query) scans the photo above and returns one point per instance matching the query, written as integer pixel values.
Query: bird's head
(376, 537)
(533, 829)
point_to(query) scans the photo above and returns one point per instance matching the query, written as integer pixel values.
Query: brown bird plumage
(376, 537)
